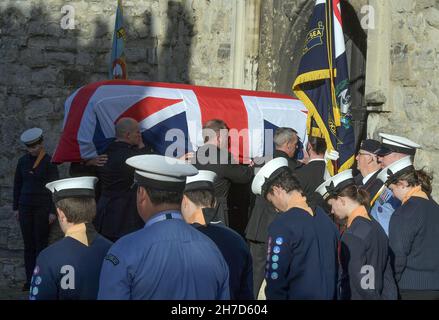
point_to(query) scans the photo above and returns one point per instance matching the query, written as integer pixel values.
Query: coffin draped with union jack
(172, 115)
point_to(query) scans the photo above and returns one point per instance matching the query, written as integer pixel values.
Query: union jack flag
(92, 111)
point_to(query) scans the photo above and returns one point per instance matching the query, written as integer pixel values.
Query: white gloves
(331, 155)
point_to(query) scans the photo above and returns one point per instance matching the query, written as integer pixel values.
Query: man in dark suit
(263, 213)
(311, 175)
(214, 156)
(116, 209)
(367, 163)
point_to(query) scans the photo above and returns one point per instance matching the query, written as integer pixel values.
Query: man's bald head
(127, 129)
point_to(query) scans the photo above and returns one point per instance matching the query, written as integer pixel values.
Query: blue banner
(118, 69)
(322, 83)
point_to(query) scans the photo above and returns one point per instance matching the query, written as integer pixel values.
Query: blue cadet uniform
(302, 256)
(166, 260)
(413, 238)
(232, 246)
(386, 204)
(365, 263)
(237, 255)
(363, 252)
(69, 269)
(302, 245)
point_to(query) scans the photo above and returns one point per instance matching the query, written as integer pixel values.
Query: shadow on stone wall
(42, 64)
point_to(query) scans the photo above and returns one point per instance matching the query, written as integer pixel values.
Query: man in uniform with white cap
(32, 202)
(167, 259)
(302, 242)
(393, 148)
(198, 207)
(69, 269)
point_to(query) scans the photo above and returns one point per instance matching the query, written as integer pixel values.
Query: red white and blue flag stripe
(92, 111)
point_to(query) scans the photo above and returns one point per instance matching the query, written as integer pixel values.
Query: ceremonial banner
(118, 68)
(322, 83)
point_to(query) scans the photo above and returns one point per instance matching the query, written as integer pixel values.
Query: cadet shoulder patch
(112, 258)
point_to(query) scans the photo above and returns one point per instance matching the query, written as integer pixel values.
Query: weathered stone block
(33, 57)
(137, 54)
(3, 237)
(74, 78)
(432, 17)
(224, 51)
(38, 108)
(84, 59)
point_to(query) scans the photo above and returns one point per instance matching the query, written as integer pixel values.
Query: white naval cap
(335, 184)
(31, 136)
(160, 172)
(392, 172)
(72, 188)
(201, 181)
(267, 173)
(391, 143)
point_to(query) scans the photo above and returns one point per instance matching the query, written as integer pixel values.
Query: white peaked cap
(391, 172)
(335, 183)
(203, 175)
(31, 136)
(203, 180)
(72, 187)
(160, 172)
(393, 143)
(266, 172)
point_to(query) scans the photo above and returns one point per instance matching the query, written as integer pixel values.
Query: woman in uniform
(365, 271)
(32, 201)
(413, 231)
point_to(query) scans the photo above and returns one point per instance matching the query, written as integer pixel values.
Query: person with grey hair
(263, 213)
(286, 144)
(116, 209)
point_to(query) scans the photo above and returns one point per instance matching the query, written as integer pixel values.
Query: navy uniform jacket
(302, 256)
(372, 186)
(237, 256)
(30, 185)
(116, 209)
(414, 241)
(69, 270)
(364, 244)
(166, 260)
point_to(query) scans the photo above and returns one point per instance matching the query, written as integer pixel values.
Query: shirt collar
(367, 178)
